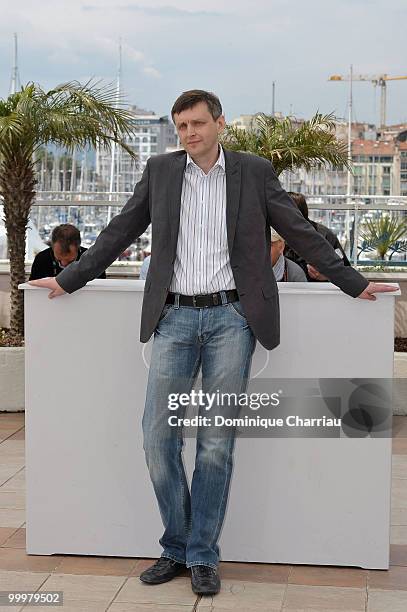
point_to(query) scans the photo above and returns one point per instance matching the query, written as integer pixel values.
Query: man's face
(277, 247)
(197, 130)
(64, 258)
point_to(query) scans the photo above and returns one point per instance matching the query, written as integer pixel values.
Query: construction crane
(377, 80)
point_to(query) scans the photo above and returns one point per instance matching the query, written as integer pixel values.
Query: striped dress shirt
(202, 262)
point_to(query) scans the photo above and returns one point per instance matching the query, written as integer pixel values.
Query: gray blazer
(255, 201)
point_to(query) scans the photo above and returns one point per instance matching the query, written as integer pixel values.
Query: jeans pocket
(236, 308)
(165, 312)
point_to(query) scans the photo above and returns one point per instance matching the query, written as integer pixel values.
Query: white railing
(92, 210)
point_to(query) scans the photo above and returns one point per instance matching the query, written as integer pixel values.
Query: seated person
(65, 248)
(284, 269)
(311, 272)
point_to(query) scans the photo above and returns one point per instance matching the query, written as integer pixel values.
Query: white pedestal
(292, 500)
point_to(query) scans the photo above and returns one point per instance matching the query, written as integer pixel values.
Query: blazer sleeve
(284, 216)
(122, 230)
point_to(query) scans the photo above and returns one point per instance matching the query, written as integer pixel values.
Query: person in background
(311, 272)
(284, 269)
(65, 248)
(144, 267)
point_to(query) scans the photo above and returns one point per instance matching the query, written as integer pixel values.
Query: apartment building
(152, 135)
(379, 163)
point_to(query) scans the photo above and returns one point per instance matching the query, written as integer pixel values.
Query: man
(311, 272)
(284, 269)
(65, 248)
(211, 212)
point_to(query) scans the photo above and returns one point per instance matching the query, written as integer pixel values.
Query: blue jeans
(218, 340)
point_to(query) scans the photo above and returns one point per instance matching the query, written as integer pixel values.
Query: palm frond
(289, 144)
(70, 115)
(382, 233)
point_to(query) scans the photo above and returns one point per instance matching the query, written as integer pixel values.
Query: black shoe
(205, 580)
(163, 570)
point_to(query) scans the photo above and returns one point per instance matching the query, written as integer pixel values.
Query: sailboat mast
(15, 79)
(113, 148)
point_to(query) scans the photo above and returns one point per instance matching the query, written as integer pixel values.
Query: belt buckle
(215, 299)
(195, 300)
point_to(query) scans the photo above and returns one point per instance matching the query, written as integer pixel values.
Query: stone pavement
(111, 584)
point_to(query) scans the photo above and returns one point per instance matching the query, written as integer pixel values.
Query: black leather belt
(203, 301)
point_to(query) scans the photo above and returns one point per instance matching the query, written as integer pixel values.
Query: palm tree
(71, 115)
(384, 234)
(289, 144)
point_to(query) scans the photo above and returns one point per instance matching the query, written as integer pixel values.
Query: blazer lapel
(175, 178)
(233, 178)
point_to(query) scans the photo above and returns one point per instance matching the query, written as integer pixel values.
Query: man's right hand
(314, 274)
(49, 283)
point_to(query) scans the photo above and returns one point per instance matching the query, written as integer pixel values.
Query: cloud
(150, 71)
(110, 46)
(133, 54)
(130, 53)
(157, 11)
(233, 48)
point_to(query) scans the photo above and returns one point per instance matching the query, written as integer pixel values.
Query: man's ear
(221, 123)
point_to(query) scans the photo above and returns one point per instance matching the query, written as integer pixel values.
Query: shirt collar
(220, 161)
(279, 268)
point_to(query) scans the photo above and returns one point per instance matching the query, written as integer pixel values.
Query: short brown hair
(190, 98)
(66, 235)
(301, 203)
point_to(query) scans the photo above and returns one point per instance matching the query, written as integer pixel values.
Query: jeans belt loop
(176, 300)
(223, 297)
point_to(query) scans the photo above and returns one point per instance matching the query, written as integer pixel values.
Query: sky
(235, 48)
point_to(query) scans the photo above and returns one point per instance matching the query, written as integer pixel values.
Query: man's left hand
(372, 288)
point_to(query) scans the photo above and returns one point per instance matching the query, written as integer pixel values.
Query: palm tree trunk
(17, 186)
(16, 241)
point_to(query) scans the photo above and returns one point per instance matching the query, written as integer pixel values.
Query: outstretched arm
(284, 216)
(122, 230)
